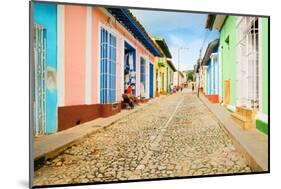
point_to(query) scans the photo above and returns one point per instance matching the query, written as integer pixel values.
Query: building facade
(179, 78)
(163, 67)
(244, 55)
(84, 60)
(211, 69)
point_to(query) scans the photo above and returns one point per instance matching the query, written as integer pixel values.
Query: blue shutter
(151, 81)
(108, 67)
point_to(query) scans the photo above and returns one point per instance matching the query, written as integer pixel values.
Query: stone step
(245, 112)
(244, 122)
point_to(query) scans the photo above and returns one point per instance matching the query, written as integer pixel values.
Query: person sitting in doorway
(129, 97)
(128, 100)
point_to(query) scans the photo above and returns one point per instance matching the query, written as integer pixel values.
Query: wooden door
(226, 92)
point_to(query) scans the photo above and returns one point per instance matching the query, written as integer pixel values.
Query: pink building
(99, 52)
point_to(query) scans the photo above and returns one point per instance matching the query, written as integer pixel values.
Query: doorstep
(253, 144)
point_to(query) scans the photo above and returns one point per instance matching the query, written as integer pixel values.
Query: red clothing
(130, 90)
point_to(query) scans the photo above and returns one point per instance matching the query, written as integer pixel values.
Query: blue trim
(151, 81)
(108, 67)
(124, 17)
(143, 72)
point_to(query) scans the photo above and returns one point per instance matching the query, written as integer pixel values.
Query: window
(107, 67)
(248, 62)
(142, 73)
(40, 80)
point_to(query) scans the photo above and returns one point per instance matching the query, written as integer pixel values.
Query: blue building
(212, 71)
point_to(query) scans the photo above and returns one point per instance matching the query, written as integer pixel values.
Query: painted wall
(262, 118)
(162, 70)
(156, 74)
(46, 15)
(265, 65)
(228, 56)
(170, 77)
(101, 17)
(75, 54)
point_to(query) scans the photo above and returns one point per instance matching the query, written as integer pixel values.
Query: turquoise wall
(228, 56)
(46, 14)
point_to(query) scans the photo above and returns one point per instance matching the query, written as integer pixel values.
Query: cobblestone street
(172, 136)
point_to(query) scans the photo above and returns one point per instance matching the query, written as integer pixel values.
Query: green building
(243, 51)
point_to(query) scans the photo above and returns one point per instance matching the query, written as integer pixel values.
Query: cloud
(179, 29)
(155, 21)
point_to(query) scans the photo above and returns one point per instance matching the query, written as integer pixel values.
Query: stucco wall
(46, 15)
(229, 56)
(265, 65)
(75, 54)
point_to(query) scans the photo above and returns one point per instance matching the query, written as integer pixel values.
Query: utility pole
(199, 70)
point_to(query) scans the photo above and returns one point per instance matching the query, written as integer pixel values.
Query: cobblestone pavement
(173, 136)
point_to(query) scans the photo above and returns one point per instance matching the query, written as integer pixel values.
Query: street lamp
(181, 48)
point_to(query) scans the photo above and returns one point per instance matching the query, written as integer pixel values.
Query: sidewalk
(252, 144)
(50, 146)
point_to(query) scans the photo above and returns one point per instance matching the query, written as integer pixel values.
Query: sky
(180, 30)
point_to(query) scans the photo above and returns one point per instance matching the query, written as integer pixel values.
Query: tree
(190, 75)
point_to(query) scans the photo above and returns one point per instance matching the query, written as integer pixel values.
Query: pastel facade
(179, 78)
(243, 51)
(88, 51)
(170, 75)
(164, 68)
(211, 72)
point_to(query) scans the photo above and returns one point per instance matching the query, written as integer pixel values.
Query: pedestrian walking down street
(192, 87)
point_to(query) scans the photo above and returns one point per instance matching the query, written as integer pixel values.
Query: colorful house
(162, 69)
(211, 72)
(170, 75)
(244, 56)
(179, 78)
(85, 57)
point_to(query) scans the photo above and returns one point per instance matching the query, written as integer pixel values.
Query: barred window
(107, 67)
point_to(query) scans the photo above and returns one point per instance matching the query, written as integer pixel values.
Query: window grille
(107, 67)
(248, 62)
(39, 80)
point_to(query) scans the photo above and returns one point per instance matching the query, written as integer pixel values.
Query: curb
(41, 159)
(255, 166)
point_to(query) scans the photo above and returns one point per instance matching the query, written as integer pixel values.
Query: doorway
(129, 66)
(151, 80)
(142, 78)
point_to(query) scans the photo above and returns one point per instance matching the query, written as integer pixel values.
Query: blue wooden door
(151, 77)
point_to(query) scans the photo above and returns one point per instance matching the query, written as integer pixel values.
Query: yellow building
(161, 68)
